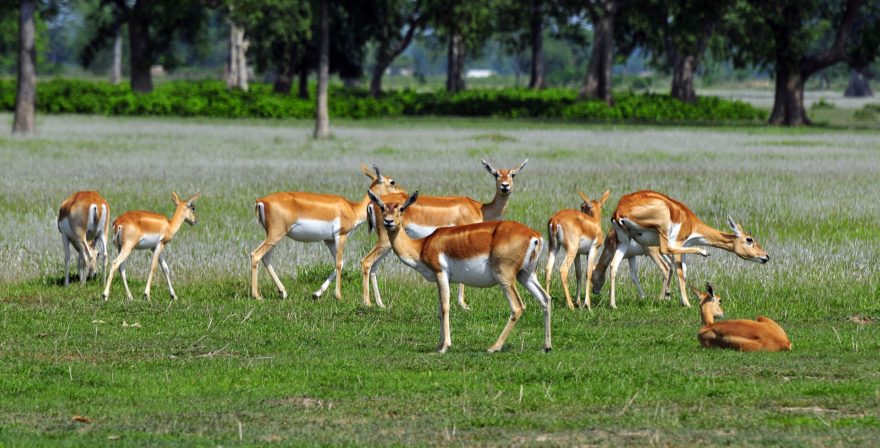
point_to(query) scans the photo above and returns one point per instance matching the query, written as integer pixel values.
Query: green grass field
(217, 368)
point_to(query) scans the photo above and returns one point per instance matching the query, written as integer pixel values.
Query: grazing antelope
(761, 335)
(482, 254)
(84, 222)
(579, 232)
(312, 217)
(656, 220)
(147, 230)
(433, 212)
(633, 251)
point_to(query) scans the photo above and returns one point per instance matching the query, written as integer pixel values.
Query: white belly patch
(472, 271)
(149, 241)
(418, 231)
(312, 230)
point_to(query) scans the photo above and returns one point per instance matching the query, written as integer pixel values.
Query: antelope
(579, 233)
(84, 217)
(656, 220)
(481, 254)
(139, 230)
(760, 335)
(433, 212)
(633, 250)
(312, 217)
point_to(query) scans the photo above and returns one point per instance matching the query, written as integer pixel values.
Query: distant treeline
(214, 99)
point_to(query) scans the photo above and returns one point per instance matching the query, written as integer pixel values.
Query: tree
(322, 113)
(858, 86)
(521, 24)
(153, 25)
(397, 22)
(597, 83)
(784, 34)
(465, 24)
(26, 95)
(676, 40)
(116, 67)
(236, 68)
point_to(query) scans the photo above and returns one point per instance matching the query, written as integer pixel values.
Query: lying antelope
(482, 254)
(433, 212)
(147, 230)
(579, 232)
(761, 335)
(633, 251)
(656, 220)
(84, 222)
(312, 217)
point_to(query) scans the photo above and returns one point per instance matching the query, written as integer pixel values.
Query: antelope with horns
(84, 222)
(578, 232)
(312, 217)
(433, 212)
(633, 251)
(760, 335)
(656, 220)
(482, 254)
(147, 230)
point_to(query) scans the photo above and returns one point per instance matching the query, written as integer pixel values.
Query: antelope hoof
(465, 306)
(316, 295)
(494, 349)
(173, 296)
(105, 296)
(257, 297)
(547, 349)
(442, 349)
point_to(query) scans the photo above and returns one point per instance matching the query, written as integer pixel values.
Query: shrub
(213, 99)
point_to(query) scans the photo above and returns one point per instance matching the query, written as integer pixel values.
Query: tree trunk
(683, 78)
(536, 28)
(26, 97)
(284, 81)
(116, 68)
(376, 77)
(236, 76)
(387, 53)
(788, 105)
(597, 83)
(858, 86)
(455, 63)
(139, 51)
(322, 115)
(304, 82)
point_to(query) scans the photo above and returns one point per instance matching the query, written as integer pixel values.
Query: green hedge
(212, 99)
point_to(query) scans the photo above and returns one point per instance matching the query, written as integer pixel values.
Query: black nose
(388, 223)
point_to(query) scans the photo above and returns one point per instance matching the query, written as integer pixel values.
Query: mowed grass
(217, 368)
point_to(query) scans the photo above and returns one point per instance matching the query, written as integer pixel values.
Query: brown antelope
(656, 220)
(482, 254)
(84, 222)
(633, 251)
(433, 212)
(147, 230)
(312, 217)
(760, 335)
(579, 232)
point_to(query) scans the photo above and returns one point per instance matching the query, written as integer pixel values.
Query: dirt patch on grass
(861, 320)
(301, 402)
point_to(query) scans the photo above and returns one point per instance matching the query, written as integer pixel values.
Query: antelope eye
(392, 182)
(512, 174)
(750, 240)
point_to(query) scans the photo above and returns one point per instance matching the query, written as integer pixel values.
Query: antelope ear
(583, 197)
(521, 166)
(193, 199)
(175, 197)
(709, 289)
(376, 199)
(489, 168)
(410, 201)
(366, 170)
(605, 197)
(737, 230)
(378, 174)
(696, 291)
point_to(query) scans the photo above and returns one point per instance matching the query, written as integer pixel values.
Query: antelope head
(745, 246)
(381, 185)
(593, 207)
(188, 207)
(504, 178)
(392, 213)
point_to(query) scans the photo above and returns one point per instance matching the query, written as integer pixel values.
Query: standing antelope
(433, 212)
(633, 251)
(147, 230)
(579, 232)
(312, 217)
(656, 220)
(761, 335)
(84, 217)
(482, 254)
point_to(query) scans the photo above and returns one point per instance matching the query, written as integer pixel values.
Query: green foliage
(213, 99)
(822, 104)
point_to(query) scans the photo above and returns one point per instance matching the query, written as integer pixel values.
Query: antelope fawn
(578, 232)
(84, 217)
(147, 230)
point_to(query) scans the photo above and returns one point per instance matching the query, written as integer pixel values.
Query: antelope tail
(260, 210)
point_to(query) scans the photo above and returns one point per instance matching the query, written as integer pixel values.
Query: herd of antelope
(449, 240)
